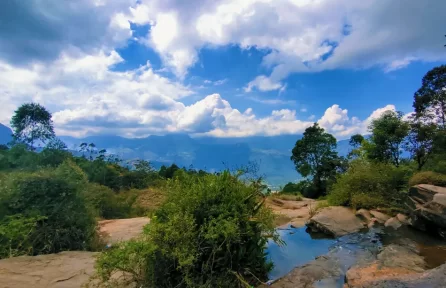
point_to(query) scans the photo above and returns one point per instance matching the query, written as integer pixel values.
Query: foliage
(15, 235)
(290, 197)
(314, 155)
(370, 184)
(46, 195)
(388, 134)
(420, 141)
(356, 140)
(428, 177)
(210, 232)
(32, 122)
(430, 99)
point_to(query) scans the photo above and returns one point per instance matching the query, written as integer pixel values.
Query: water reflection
(300, 248)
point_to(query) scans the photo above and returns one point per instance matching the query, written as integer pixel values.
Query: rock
(117, 230)
(325, 271)
(393, 222)
(402, 218)
(435, 278)
(66, 269)
(364, 214)
(335, 221)
(373, 223)
(381, 217)
(393, 262)
(429, 213)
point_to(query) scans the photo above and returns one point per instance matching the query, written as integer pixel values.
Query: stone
(364, 214)
(393, 222)
(373, 223)
(402, 218)
(394, 262)
(65, 269)
(381, 217)
(429, 213)
(335, 221)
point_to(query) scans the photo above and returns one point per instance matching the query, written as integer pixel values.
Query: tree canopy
(430, 99)
(32, 122)
(388, 134)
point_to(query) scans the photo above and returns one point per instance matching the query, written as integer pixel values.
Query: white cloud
(337, 122)
(300, 34)
(262, 83)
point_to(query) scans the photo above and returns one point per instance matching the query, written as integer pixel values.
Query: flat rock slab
(335, 221)
(117, 230)
(62, 270)
(381, 217)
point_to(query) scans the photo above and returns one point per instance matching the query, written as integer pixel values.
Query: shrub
(428, 177)
(210, 232)
(369, 184)
(64, 223)
(288, 197)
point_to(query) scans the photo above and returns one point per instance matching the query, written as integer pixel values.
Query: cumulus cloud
(301, 35)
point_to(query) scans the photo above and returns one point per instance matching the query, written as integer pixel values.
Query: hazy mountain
(272, 154)
(5, 134)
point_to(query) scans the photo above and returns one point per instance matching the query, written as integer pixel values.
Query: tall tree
(388, 134)
(315, 155)
(420, 141)
(430, 99)
(32, 122)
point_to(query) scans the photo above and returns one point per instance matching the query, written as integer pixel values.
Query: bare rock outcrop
(335, 221)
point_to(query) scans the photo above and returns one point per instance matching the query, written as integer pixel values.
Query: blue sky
(222, 68)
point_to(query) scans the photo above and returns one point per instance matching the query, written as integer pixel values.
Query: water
(300, 248)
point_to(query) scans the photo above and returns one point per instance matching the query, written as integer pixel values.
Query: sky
(223, 68)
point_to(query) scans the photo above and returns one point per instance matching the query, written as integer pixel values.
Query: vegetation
(428, 177)
(32, 122)
(314, 156)
(370, 184)
(210, 232)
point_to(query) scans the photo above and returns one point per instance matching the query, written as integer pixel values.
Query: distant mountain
(5, 134)
(272, 154)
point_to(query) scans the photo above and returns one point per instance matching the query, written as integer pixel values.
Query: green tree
(430, 99)
(315, 155)
(32, 122)
(388, 135)
(420, 141)
(356, 140)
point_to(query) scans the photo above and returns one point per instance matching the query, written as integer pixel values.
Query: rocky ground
(291, 212)
(67, 269)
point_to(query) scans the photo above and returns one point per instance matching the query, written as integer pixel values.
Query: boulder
(381, 217)
(393, 222)
(364, 214)
(429, 212)
(335, 221)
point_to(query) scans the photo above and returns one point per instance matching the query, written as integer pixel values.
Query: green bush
(64, 222)
(210, 232)
(428, 177)
(370, 184)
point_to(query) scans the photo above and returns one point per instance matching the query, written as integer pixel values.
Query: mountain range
(270, 153)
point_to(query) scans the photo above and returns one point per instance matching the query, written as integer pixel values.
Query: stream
(302, 247)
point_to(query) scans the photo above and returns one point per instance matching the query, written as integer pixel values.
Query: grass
(287, 197)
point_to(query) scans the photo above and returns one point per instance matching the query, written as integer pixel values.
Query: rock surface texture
(428, 205)
(335, 221)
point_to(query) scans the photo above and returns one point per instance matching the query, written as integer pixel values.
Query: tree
(430, 99)
(388, 134)
(32, 122)
(356, 140)
(315, 155)
(420, 141)
(56, 144)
